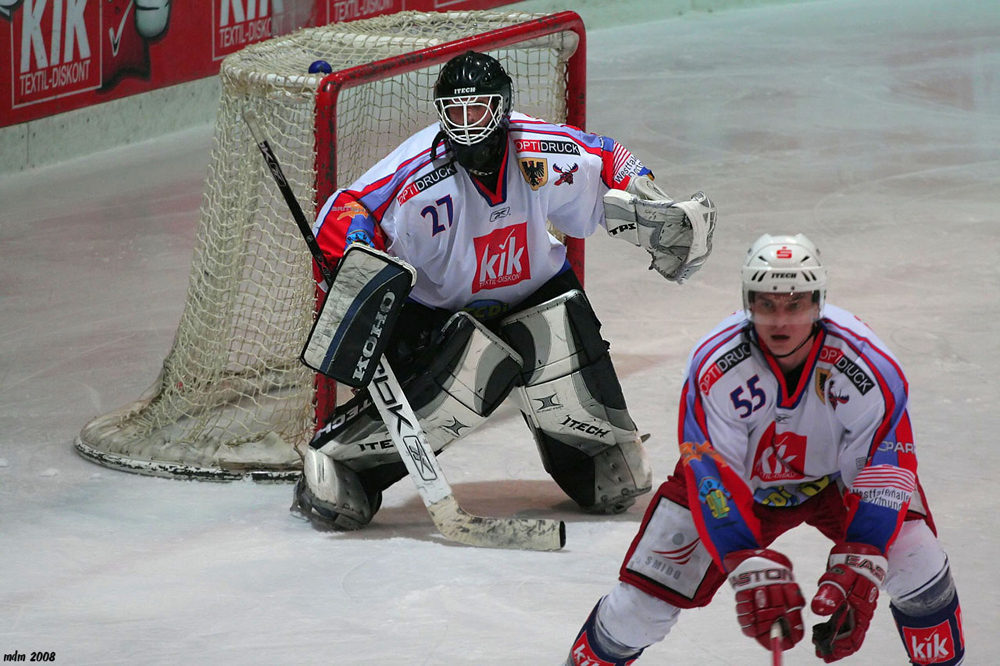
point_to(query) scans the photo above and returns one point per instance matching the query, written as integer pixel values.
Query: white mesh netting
(232, 399)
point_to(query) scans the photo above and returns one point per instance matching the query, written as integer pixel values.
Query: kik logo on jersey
(780, 456)
(502, 258)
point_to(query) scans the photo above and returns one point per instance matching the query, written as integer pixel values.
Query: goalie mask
(473, 100)
(784, 265)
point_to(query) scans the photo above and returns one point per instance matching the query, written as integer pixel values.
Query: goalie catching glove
(677, 234)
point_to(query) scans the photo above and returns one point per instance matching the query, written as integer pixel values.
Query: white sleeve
(580, 212)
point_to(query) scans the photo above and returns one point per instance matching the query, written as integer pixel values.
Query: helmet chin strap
(809, 337)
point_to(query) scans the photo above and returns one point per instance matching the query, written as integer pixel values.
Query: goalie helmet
(473, 97)
(783, 264)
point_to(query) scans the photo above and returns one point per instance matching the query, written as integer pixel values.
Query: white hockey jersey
(474, 249)
(750, 438)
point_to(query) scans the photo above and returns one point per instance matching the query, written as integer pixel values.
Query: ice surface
(873, 126)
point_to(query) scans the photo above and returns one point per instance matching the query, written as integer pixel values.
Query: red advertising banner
(338, 11)
(60, 55)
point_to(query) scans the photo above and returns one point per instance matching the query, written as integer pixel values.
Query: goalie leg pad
(573, 403)
(469, 375)
(474, 369)
(605, 482)
(460, 381)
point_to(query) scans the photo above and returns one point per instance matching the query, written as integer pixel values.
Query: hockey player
(495, 307)
(792, 412)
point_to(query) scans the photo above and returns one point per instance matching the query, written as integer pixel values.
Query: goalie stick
(451, 520)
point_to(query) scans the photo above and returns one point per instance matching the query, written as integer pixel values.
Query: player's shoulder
(851, 346)
(726, 338)
(852, 332)
(533, 135)
(843, 318)
(724, 355)
(523, 124)
(412, 167)
(406, 158)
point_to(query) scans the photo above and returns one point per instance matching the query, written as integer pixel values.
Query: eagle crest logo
(821, 377)
(535, 171)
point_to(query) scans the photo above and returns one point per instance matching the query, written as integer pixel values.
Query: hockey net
(232, 399)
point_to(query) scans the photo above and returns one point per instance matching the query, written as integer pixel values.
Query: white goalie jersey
(475, 249)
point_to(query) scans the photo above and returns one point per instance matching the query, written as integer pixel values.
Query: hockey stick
(777, 634)
(408, 437)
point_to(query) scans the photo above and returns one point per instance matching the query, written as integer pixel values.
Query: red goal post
(232, 399)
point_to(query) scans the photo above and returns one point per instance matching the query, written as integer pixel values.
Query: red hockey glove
(848, 591)
(766, 592)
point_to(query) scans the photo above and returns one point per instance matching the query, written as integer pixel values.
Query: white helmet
(783, 264)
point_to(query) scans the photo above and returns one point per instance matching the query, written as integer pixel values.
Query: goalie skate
(329, 494)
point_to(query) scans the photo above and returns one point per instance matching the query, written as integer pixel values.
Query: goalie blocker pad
(357, 317)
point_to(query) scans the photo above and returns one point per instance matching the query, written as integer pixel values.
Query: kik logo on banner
(237, 23)
(55, 49)
(502, 258)
(65, 47)
(338, 11)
